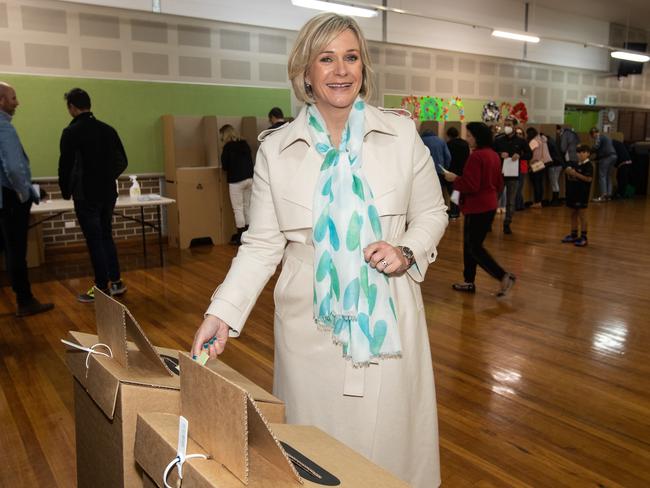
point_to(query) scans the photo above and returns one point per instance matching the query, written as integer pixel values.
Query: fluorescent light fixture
(338, 8)
(515, 36)
(628, 56)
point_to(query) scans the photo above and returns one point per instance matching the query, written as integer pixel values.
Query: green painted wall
(132, 107)
(581, 120)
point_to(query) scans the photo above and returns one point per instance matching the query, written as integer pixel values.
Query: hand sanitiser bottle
(134, 191)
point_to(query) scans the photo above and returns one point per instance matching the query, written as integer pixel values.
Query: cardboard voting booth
(110, 392)
(243, 448)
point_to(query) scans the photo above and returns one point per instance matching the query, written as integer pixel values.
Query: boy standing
(578, 186)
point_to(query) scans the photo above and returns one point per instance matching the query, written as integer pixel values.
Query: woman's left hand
(385, 258)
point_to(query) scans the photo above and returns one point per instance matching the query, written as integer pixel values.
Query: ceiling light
(628, 56)
(516, 36)
(338, 8)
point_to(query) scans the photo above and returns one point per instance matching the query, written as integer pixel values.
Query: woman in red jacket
(479, 186)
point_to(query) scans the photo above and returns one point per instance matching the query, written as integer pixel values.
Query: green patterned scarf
(351, 299)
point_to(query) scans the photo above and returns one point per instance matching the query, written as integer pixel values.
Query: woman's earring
(307, 87)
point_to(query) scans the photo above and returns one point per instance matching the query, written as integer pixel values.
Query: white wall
(508, 14)
(419, 31)
(568, 26)
(278, 14)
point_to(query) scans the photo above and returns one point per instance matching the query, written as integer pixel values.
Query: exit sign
(590, 100)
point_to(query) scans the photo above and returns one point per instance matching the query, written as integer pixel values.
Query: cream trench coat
(387, 411)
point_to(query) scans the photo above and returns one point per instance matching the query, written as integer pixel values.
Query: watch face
(408, 254)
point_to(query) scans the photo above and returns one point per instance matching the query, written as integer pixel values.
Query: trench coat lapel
(303, 162)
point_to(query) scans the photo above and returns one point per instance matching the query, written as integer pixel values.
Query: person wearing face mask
(512, 147)
(346, 196)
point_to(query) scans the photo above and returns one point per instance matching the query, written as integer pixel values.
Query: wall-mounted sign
(590, 100)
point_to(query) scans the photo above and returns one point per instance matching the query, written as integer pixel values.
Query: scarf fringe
(326, 327)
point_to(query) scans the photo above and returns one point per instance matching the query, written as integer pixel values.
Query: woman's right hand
(211, 328)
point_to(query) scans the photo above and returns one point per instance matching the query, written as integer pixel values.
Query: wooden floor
(550, 388)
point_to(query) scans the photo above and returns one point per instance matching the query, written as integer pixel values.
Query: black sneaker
(117, 288)
(89, 296)
(33, 307)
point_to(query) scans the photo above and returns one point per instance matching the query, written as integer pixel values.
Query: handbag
(536, 166)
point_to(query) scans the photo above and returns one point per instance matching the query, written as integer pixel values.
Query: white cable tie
(90, 350)
(178, 462)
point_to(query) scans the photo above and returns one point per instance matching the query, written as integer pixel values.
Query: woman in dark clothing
(237, 161)
(479, 186)
(459, 150)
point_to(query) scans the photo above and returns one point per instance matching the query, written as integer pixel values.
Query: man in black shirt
(509, 145)
(92, 157)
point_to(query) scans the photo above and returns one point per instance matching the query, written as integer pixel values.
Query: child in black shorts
(578, 186)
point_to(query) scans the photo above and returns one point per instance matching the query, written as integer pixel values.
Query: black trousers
(622, 178)
(537, 179)
(95, 220)
(476, 227)
(14, 224)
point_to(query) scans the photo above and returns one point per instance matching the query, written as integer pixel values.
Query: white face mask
(507, 129)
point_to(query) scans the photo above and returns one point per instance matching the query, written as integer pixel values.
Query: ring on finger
(384, 263)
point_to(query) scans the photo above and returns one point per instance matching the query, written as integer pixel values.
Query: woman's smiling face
(336, 74)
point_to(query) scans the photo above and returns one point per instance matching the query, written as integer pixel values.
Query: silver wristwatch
(408, 254)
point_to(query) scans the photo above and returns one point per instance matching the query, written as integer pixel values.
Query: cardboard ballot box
(110, 392)
(226, 425)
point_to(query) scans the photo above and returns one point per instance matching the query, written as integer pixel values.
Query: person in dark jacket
(623, 165)
(479, 186)
(276, 118)
(92, 157)
(237, 162)
(459, 151)
(509, 146)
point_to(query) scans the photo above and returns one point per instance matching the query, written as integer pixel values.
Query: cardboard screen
(229, 426)
(115, 325)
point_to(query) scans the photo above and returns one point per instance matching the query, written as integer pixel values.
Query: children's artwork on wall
(504, 109)
(491, 112)
(432, 108)
(412, 104)
(458, 103)
(520, 112)
(438, 109)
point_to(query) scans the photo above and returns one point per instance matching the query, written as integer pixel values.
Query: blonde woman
(347, 197)
(237, 161)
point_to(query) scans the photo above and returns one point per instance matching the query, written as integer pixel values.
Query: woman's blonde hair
(228, 133)
(312, 39)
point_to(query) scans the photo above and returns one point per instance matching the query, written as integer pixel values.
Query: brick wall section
(55, 234)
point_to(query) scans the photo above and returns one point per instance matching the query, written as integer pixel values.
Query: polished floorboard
(547, 388)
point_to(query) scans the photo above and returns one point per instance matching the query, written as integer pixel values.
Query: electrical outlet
(69, 225)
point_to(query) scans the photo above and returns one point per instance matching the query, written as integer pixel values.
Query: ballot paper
(455, 197)
(510, 168)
